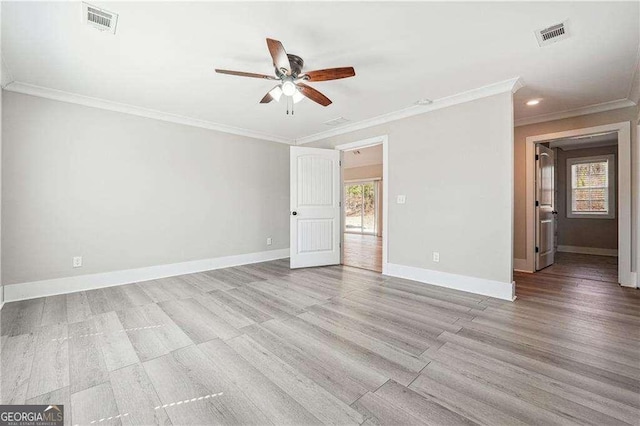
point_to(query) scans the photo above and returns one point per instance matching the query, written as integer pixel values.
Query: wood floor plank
(152, 332)
(55, 310)
(50, 366)
(186, 374)
(331, 374)
(95, 405)
(17, 358)
(418, 406)
(21, 317)
(78, 307)
(378, 411)
(60, 396)
(313, 397)
(117, 350)
(134, 394)
(86, 362)
(273, 401)
(198, 322)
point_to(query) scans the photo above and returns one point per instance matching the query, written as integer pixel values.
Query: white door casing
(315, 207)
(545, 208)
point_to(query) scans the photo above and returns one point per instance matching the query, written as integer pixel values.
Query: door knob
(294, 213)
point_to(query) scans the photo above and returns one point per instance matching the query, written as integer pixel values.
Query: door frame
(625, 275)
(364, 143)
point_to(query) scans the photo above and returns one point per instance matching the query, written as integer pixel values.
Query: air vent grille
(97, 17)
(336, 121)
(552, 34)
(100, 19)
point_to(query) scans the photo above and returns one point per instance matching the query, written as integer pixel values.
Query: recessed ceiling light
(533, 102)
(424, 101)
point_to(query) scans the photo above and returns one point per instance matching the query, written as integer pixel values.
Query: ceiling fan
(288, 70)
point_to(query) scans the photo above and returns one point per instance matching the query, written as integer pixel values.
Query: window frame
(611, 188)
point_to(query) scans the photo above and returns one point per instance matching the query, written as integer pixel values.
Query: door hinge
(537, 203)
(537, 157)
(339, 203)
(537, 249)
(340, 163)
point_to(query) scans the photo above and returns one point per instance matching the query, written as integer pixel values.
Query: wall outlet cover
(269, 241)
(77, 261)
(402, 199)
(436, 256)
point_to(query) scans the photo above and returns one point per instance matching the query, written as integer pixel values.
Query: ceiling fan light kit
(288, 69)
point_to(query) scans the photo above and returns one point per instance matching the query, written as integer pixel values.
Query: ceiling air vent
(100, 19)
(336, 121)
(552, 34)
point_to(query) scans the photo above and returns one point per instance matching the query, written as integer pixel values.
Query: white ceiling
(163, 55)
(365, 157)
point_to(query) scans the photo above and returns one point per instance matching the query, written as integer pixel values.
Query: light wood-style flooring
(363, 251)
(262, 344)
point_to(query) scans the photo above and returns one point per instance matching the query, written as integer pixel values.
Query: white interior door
(315, 207)
(545, 207)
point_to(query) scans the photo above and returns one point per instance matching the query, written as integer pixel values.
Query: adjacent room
(363, 209)
(297, 213)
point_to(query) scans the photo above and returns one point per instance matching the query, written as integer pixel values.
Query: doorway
(581, 210)
(364, 204)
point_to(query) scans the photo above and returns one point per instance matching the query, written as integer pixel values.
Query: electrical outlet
(269, 241)
(401, 199)
(77, 261)
(436, 256)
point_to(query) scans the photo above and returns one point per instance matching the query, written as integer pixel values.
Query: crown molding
(62, 96)
(511, 85)
(591, 109)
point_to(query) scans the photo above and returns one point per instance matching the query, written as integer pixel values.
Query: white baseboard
(520, 265)
(31, 290)
(481, 286)
(588, 250)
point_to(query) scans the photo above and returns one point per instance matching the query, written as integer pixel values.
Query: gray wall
(455, 166)
(596, 233)
(128, 192)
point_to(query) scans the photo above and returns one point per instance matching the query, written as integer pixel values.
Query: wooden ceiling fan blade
(313, 94)
(246, 74)
(279, 55)
(330, 74)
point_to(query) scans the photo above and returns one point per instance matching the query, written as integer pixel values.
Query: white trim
(588, 250)
(511, 85)
(520, 265)
(624, 191)
(481, 286)
(31, 290)
(62, 96)
(591, 109)
(377, 140)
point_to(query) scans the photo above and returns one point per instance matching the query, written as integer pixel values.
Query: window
(360, 207)
(591, 187)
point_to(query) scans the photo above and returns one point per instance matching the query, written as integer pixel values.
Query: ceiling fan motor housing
(296, 64)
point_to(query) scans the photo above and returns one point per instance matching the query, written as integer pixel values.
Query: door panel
(545, 208)
(315, 207)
